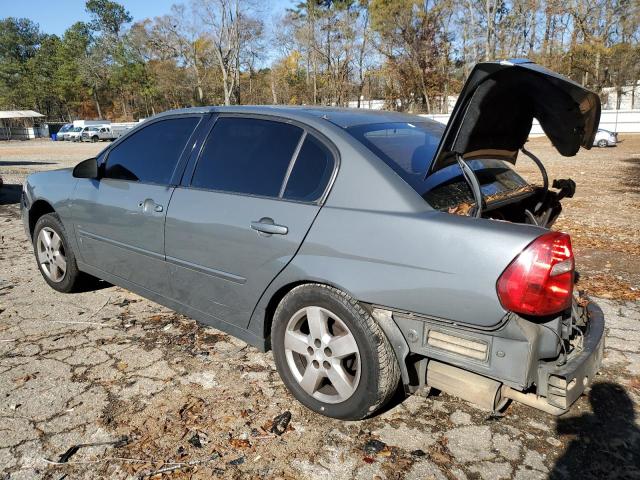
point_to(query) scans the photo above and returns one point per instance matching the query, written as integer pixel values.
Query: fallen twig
(98, 310)
(132, 460)
(162, 470)
(64, 458)
(79, 323)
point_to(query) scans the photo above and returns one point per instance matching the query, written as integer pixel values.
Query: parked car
(74, 134)
(365, 248)
(98, 133)
(605, 138)
(64, 129)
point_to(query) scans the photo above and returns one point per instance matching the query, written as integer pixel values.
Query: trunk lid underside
(495, 112)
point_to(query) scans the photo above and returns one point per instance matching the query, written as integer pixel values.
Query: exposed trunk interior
(505, 195)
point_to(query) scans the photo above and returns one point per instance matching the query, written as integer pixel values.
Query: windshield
(77, 129)
(65, 128)
(408, 148)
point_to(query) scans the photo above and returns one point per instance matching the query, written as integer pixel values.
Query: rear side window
(151, 154)
(246, 155)
(408, 148)
(311, 172)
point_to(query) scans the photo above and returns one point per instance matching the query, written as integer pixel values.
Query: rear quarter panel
(432, 263)
(56, 188)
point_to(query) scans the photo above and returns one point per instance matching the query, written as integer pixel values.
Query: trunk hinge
(472, 180)
(545, 178)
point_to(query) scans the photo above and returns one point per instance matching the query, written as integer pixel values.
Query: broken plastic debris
(374, 446)
(281, 422)
(195, 441)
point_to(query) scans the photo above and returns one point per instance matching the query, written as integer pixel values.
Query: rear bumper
(562, 385)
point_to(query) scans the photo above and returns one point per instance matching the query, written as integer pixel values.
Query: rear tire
(55, 258)
(331, 354)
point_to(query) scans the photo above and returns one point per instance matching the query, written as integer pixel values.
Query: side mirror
(86, 169)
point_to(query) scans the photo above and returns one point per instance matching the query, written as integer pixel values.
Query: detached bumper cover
(563, 385)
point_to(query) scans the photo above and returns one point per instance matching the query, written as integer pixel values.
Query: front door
(119, 219)
(254, 194)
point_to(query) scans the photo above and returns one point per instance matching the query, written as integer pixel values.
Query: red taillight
(540, 280)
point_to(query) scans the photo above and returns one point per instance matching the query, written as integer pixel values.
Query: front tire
(56, 260)
(331, 354)
(603, 143)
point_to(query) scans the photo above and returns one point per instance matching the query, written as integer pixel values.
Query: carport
(19, 124)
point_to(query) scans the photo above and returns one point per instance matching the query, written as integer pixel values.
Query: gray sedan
(370, 251)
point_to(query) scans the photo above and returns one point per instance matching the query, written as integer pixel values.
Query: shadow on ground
(632, 180)
(606, 443)
(10, 194)
(20, 163)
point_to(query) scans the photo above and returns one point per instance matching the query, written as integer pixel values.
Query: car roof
(342, 117)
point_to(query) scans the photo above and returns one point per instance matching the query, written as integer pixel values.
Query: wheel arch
(38, 209)
(276, 297)
(385, 322)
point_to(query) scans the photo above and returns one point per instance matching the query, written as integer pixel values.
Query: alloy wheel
(322, 354)
(51, 255)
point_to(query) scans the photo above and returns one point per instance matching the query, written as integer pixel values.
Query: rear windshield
(408, 148)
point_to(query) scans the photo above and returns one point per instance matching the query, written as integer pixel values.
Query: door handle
(148, 205)
(267, 226)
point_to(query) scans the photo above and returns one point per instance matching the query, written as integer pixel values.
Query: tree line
(412, 54)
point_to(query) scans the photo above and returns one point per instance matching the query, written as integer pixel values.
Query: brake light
(539, 281)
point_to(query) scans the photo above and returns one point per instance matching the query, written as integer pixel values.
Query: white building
(20, 125)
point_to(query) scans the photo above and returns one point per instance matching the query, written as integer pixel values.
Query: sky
(56, 16)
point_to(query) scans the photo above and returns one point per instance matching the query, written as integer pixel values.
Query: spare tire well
(38, 209)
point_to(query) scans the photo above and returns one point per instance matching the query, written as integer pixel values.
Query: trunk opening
(501, 192)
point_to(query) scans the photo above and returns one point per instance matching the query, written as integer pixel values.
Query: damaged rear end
(544, 353)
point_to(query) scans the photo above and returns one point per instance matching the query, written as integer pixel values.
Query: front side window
(311, 172)
(246, 155)
(151, 154)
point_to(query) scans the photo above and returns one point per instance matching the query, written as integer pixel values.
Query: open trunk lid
(495, 111)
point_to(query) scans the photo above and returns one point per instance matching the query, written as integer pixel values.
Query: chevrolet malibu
(370, 251)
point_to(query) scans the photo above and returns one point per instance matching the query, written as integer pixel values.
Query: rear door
(119, 219)
(242, 212)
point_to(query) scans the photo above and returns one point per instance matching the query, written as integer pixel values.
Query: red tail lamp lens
(539, 281)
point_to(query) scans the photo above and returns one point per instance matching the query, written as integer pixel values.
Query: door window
(247, 155)
(311, 172)
(151, 154)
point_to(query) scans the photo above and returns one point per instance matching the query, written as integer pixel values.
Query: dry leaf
(239, 443)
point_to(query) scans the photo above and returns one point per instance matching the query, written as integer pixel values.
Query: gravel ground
(146, 390)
